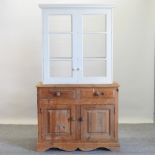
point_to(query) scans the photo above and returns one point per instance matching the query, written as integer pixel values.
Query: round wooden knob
(80, 119)
(97, 93)
(58, 93)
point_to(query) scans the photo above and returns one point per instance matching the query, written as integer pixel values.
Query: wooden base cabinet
(74, 117)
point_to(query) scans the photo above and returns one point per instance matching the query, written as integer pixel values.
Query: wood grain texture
(74, 146)
(40, 84)
(58, 122)
(98, 123)
(82, 117)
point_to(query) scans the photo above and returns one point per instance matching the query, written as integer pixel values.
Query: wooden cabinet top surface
(114, 84)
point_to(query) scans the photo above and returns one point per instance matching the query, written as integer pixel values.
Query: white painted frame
(76, 12)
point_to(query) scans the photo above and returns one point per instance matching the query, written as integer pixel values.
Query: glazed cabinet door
(59, 48)
(58, 122)
(97, 123)
(77, 45)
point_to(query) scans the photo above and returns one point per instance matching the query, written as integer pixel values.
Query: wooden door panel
(97, 122)
(58, 122)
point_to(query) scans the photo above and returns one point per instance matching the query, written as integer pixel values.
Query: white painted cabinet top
(77, 44)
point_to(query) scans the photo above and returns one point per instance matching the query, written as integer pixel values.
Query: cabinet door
(97, 122)
(95, 44)
(77, 45)
(58, 122)
(59, 55)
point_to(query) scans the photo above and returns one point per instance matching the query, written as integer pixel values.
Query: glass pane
(94, 45)
(61, 68)
(60, 46)
(94, 68)
(59, 23)
(94, 23)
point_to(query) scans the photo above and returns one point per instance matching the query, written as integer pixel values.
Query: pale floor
(21, 140)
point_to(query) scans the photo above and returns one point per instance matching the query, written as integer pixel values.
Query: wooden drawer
(57, 93)
(97, 92)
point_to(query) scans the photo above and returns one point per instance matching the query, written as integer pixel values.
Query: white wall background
(20, 58)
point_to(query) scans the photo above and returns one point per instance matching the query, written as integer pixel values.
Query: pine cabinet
(77, 100)
(77, 116)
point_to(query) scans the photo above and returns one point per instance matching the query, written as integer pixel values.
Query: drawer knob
(97, 93)
(58, 93)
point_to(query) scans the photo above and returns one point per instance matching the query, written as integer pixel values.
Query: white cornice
(48, 6)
